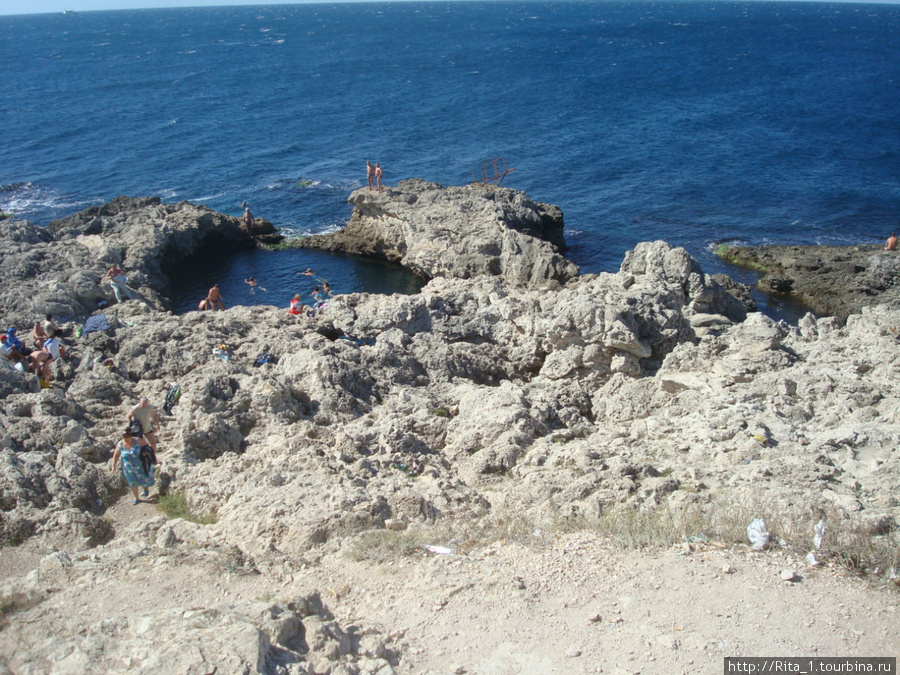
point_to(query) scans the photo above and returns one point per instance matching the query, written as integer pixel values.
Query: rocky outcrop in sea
(829, 280)
(517, 386)
(460, 232)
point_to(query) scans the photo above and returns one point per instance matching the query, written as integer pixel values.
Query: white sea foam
(27, 199)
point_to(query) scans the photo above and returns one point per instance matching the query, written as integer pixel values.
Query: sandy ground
(566, 603)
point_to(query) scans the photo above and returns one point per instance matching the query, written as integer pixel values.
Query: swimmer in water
(307, 272)
(251, 282)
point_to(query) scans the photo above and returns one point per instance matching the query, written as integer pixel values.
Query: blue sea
(693, 122)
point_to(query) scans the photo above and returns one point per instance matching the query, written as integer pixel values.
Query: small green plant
(441, 411)
(175, 505)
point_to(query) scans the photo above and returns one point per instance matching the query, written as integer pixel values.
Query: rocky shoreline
(829, 280)
(525, 390)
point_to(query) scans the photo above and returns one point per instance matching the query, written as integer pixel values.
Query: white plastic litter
(441, 550)
(820, 534)
(758, 534)
(811, 559)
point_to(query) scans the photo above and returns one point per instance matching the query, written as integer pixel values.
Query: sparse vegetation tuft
(175, 505)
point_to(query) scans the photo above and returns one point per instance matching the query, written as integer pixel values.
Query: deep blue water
(694, 122)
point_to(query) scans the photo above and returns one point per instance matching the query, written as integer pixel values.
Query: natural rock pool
(279, 277)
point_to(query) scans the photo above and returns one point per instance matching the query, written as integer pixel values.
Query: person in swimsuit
(370, 174)
(378, 175)
(214, 299)
(38, 334)
(247, 219)
(891, 243)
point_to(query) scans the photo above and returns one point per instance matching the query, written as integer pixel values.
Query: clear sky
(41, 6)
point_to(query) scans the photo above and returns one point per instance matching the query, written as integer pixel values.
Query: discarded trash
(789, 575)
(820, 534)
(758, 534)
(221, 352)
(811, 559)
(414, 469)
(441, 550)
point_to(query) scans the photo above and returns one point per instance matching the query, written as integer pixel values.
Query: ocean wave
(34, 202)
(207, 198)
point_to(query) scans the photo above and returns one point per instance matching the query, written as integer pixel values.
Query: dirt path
(569, 603)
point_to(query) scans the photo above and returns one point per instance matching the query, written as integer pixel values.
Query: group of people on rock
(136, 451)
(37, 359)
(319, 295)
(213, 299)
(373, 175)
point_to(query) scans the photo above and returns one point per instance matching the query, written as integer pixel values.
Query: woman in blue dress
(129, 451)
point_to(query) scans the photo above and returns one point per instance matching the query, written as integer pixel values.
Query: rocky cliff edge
(459, 232)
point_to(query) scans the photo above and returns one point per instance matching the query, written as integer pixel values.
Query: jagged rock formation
(59, 269)
(459, 232)
(647, 388)
(830, 280)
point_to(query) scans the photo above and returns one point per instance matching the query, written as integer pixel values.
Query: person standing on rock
(378, 175)
(145, 413)
(248, 221)
(128, 450)
(117, 279)
(370, 174)
(214, 299)
(891, 243)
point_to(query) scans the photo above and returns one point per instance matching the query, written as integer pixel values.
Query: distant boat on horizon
(68, 11)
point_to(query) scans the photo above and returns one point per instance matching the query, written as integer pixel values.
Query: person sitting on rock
(145, 413)
(9, 351)
(296, 306)
(891, 243)
(50, 327)
(38, 334)
(55, 348)
(13, 339)
(128, 450)
(214, 299)
(117, 279)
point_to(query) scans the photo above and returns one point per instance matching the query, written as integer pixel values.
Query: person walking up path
(128, 451)
(145, 413)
